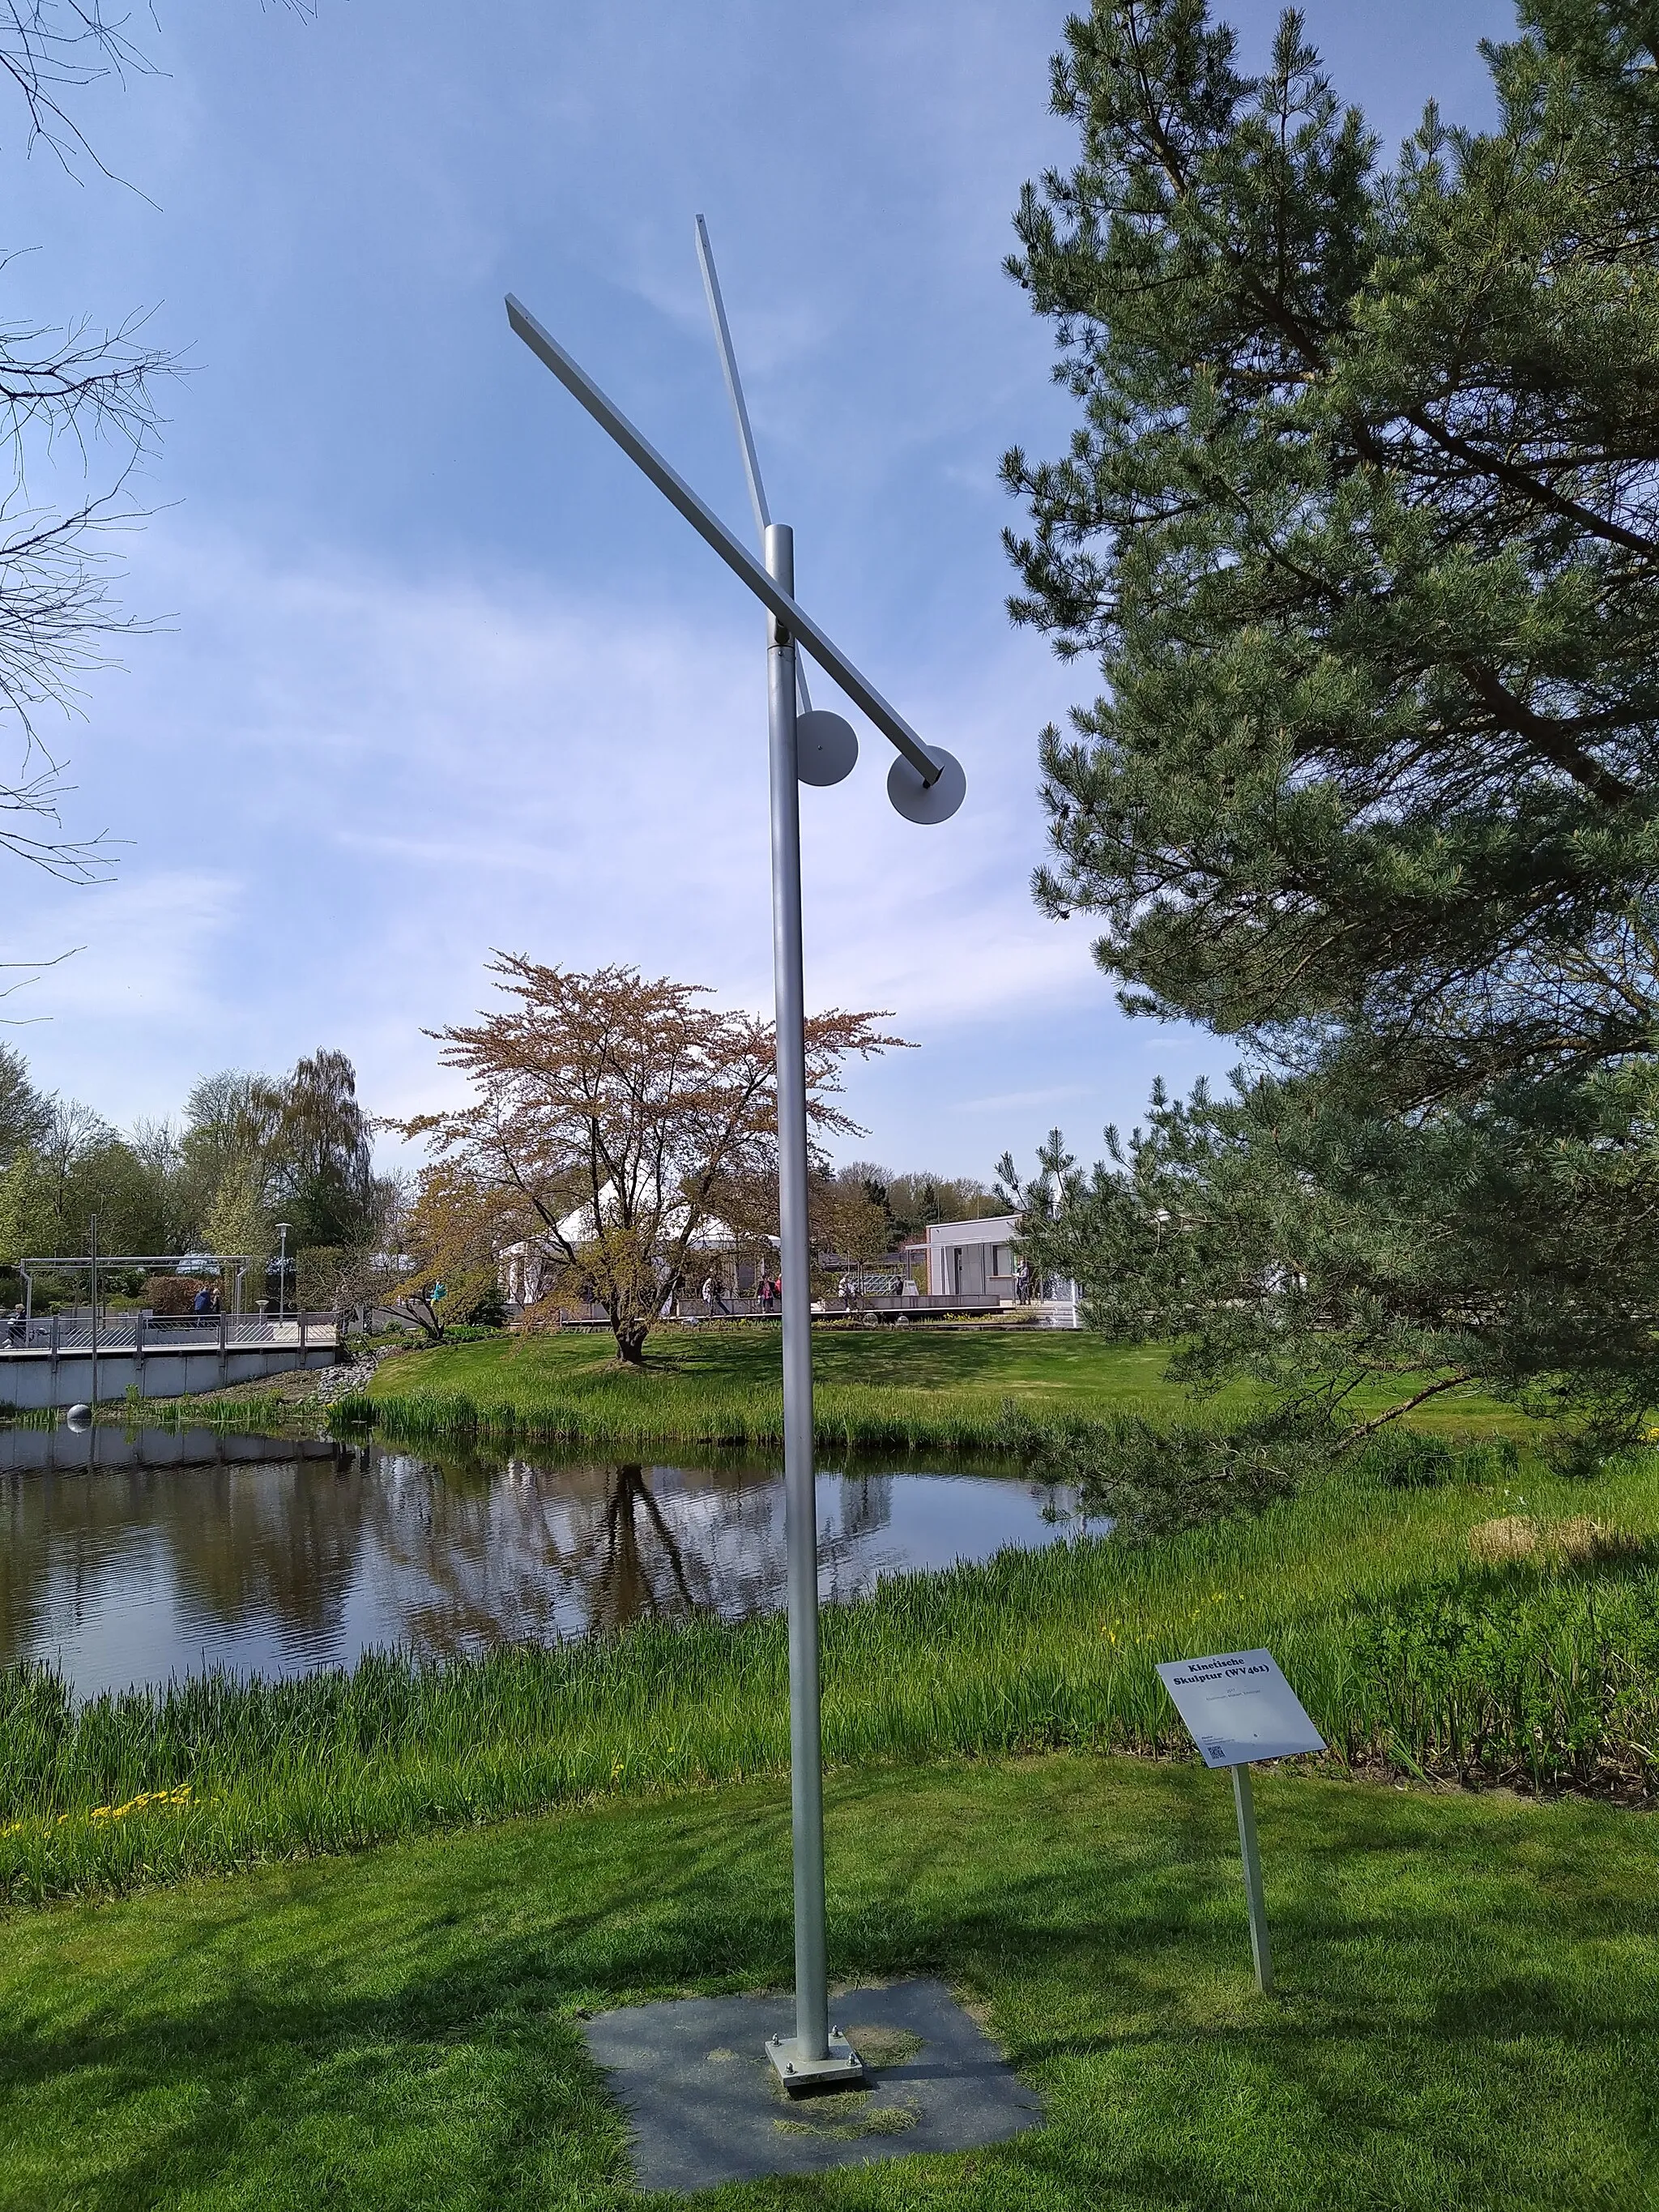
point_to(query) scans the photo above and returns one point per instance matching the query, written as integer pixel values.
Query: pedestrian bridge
(61, 1360)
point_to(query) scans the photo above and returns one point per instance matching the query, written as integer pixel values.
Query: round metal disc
(928, 802)
(826, 748)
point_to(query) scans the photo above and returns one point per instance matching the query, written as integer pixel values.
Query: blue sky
(438, 671)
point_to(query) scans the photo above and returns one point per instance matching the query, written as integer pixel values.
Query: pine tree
(1361, 521)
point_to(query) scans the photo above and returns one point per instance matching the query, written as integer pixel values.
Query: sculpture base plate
(843, 2069)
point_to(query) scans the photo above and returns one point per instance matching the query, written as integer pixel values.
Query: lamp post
(926, 785)
(282, 1270)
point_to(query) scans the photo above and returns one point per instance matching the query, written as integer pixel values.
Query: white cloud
(401, 775)
(1009, 1101)
(343, 788)
(145, 947)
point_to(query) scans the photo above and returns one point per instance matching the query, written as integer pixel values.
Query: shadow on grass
(401, 2029)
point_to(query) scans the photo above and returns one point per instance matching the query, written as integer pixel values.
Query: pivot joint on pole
(778, 550)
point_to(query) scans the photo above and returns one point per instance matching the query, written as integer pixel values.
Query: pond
(130, 1558)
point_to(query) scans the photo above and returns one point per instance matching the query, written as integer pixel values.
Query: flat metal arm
(714, 533)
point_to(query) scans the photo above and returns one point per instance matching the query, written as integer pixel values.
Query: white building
(976, 1260)
(972, 1259)
(531, 1264)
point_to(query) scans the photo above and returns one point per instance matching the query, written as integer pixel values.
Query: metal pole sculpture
(926, 785)
(93, 1400)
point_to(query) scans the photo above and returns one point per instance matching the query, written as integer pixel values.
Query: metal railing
(144, 1333)
(880, 1305)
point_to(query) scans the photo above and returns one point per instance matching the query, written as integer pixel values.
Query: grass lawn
(709, 1383)
(1467, 2016)
(1065, 1370)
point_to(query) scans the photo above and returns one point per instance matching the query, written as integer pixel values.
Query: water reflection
(171, 1553)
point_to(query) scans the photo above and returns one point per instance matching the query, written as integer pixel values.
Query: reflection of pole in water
(867, 1504)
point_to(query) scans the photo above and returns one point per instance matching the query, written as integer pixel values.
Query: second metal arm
(711, 285)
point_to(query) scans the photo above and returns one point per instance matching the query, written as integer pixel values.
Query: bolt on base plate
(843, 2069)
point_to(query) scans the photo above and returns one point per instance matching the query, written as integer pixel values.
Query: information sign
(1239, 1707)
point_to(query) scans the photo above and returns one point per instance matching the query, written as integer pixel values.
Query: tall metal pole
(800, 1499)
(92, 1402)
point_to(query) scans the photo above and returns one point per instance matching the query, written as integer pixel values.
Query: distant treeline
(246, 1151)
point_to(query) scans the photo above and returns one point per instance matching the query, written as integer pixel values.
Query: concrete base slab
(706, 2106)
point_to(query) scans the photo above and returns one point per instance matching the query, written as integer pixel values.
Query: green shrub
(1512, 1676)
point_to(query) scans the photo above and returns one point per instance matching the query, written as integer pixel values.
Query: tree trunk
(630, 1341)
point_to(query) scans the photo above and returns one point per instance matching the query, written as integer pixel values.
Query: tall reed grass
(625, 1411)
(1403, 1645)
(237, 1416)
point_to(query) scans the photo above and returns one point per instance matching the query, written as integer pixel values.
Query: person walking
(16, 1328)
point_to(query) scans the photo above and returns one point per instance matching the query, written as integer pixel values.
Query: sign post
(1261, 1952)
(1238, 1707)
